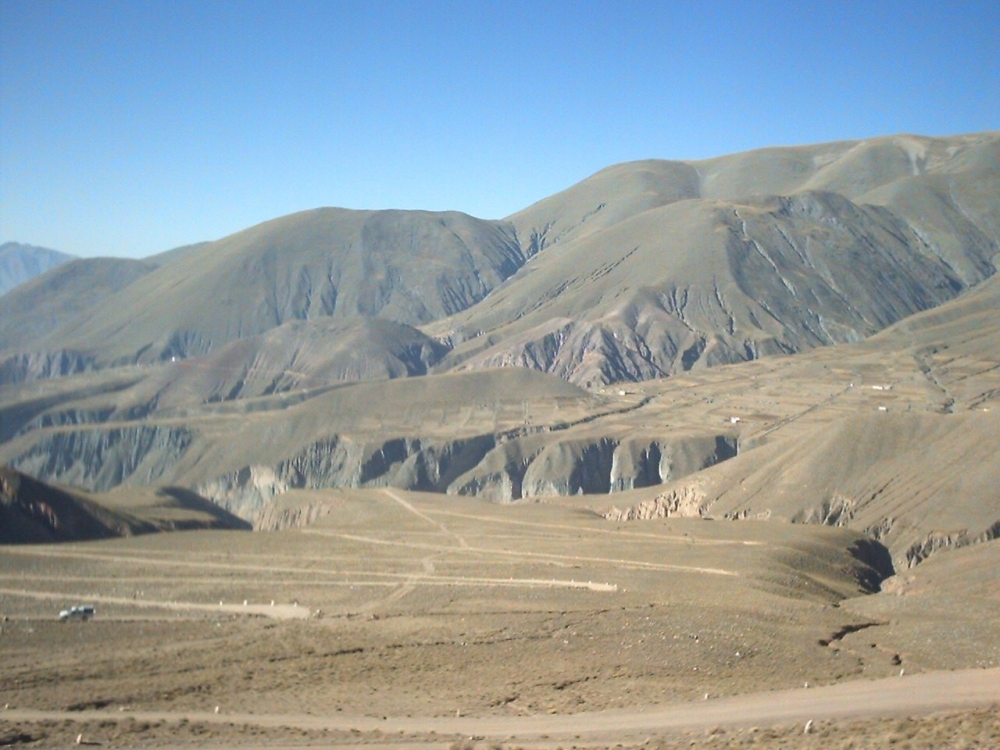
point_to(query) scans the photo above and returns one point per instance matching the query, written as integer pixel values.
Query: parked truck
(83, 612)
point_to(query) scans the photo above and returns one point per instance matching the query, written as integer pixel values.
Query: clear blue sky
(128, 128)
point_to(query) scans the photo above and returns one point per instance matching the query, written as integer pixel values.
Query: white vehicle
(83, 612)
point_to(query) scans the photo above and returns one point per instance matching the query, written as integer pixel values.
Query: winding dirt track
(907, 695)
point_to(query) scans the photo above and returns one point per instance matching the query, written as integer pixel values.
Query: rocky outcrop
(683, 502)
(497, 470)
(838, 510)
(612, 465)
(938, 540)
(246, 491)
(573, 467)
(606, 465)
(538, 465)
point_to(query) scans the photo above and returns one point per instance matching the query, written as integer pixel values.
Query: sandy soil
(526, 625)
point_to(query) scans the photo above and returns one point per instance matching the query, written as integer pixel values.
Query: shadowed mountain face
(32, 511)
(20, 263)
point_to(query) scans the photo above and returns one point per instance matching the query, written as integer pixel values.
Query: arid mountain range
(680, 434)
(642, 270)
(569, 348)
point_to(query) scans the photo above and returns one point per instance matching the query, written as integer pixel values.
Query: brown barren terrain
(413, 619)
(689, 454)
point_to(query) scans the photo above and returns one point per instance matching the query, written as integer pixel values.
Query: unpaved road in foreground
(906, 695)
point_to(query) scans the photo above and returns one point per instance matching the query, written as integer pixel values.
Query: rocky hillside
(403, 266)
(643, 270)
(505, 434)
(651, 268)
(905, 453)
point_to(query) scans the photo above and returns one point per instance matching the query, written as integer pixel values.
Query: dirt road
(275, 611)
(905, 695)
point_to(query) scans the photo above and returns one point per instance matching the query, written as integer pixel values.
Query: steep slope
(20, 263)
(99, 454)
(965, 325)
(703, 282)
(404, 266)
(642, 270)
(654, 267)
(291, 342)
(52, 300)
(854, 169)
(296, 356)
(888, 435)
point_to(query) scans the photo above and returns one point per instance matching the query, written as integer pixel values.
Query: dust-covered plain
(398, 606)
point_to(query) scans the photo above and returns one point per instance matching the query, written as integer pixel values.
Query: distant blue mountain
(18, 263)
